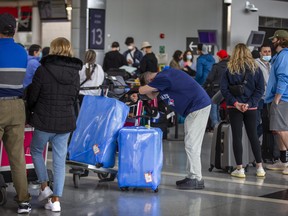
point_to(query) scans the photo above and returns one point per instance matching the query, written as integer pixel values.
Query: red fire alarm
(162, 35)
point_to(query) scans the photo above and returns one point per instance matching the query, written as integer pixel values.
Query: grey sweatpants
(194, 128)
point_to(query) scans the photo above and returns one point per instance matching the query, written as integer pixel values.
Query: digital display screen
(256, 38)
(52, 9)
(207, 37)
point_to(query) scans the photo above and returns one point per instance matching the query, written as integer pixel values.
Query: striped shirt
(13, 63)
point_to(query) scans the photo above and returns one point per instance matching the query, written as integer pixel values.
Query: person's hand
(244, 107)
(277, 98)
(241, 107)
(134, 97)
(129, 61)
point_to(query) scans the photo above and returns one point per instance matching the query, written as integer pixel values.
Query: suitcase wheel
(156, 190)
(211, 168)
(102, 175)
(124, 188)
(3, 196)
(229, 169)
(76, 178)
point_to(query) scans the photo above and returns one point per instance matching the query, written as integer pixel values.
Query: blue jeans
(214, 115)
(59, 152)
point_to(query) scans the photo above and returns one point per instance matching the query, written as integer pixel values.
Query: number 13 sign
(96, 29)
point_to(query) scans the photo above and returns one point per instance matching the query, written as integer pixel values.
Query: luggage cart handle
(147, 117)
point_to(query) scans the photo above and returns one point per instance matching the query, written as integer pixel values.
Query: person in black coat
(212, 84)
(51, 98)
(114, 59)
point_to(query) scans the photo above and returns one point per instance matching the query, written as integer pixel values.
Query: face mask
(266, 58)
(40, 56)
(189, 57)
(130, 47)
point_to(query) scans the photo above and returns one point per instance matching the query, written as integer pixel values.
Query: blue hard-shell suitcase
(94, 140)
(140, 157)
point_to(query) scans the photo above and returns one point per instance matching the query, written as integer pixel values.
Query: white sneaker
(277, 166)
(239, 173)
(260, 172)
(54, 207)
(285, 171)
(45, 194)
(24, 208)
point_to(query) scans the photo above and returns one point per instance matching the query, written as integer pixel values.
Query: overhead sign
(191, 44)
(96, 29)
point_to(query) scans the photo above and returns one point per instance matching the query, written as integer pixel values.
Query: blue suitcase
(94, 140)
(140, 157)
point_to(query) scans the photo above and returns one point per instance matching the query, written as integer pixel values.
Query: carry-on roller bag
(140, 157)
(222, 156)
(94, 140)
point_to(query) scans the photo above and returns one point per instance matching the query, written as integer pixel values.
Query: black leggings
(250, 121)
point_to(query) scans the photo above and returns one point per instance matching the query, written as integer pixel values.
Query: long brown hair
(241, 59)
(90, 59)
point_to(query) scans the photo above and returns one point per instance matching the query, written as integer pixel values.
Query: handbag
(238, 90)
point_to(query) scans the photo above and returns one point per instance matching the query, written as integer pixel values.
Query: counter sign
(96, 29)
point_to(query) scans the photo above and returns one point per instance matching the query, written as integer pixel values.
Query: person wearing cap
(212, 84)
(204, 63)
(277, 96)
(184, 95)
(34, 56)
(133, 55)
(114, 59)
(149, 61)
(13, 63)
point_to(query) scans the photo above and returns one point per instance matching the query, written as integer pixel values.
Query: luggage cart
(79, 169)
(5, 170)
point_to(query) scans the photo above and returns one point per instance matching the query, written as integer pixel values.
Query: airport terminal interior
(223, 194)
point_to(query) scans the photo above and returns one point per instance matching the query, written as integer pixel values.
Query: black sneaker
(24, 208)
(191, 184)
(182, 181)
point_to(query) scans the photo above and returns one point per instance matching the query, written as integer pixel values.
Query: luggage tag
(96, 149)
(148, 177)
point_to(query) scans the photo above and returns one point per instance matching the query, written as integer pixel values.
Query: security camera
(250, 7)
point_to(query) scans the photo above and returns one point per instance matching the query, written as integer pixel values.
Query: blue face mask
(40, 56)
(266, 58)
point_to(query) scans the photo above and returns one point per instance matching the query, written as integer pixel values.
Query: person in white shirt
(91, 76)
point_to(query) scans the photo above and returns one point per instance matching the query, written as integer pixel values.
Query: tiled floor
(223, 194)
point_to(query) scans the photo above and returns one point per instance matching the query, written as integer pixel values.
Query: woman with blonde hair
(51, 98)
(91, 76)
(242, 86)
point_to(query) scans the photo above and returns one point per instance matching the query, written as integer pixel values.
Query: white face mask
(130, 47)
(189, 57)
(266, 58)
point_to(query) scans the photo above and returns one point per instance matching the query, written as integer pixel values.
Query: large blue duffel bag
(94, 140)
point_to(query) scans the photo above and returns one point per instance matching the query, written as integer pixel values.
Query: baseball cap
(7, 23)
(222, 54)
(279, 34)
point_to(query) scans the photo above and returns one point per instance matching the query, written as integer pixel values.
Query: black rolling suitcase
(222, 156)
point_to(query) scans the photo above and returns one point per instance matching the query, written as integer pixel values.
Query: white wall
(243, 22)
(52, 30)
(145, 20)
